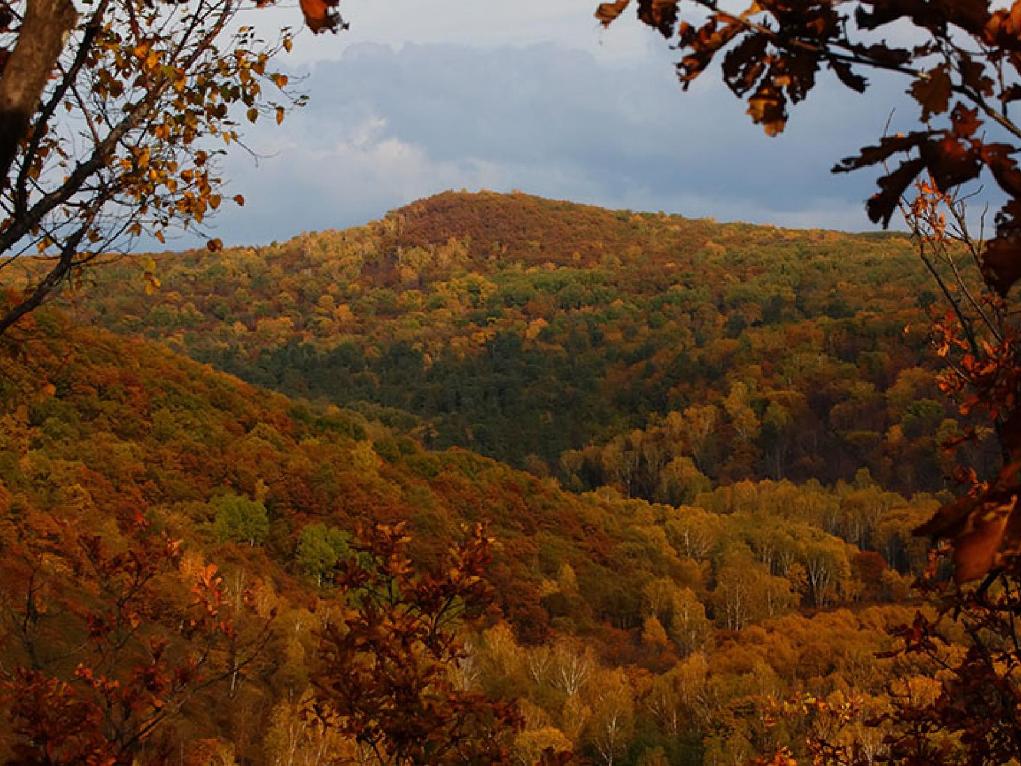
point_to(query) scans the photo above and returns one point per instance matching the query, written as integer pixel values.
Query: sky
(533, 95)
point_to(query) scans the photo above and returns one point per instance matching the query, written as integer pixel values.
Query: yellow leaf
(280, 114)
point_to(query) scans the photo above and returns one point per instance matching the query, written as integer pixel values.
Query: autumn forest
(496, 478)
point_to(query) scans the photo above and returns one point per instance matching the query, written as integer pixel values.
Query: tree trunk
(41, 39)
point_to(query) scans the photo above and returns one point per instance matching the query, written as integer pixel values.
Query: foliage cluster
(102, 431)
(646, 352)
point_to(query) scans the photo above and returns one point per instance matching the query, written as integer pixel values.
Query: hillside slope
(648, 352)
(98, 430)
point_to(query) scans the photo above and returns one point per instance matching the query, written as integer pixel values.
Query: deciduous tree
(108, 642)
(112, 117)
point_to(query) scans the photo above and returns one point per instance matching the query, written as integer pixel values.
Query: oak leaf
(932, 91)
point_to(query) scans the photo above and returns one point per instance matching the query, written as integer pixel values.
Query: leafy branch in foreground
(388, 655)
(111, 122)
(111, 642)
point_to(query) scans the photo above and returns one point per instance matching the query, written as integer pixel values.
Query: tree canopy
(648, 596)
(963, 74)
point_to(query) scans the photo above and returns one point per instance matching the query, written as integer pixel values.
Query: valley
(700, 450)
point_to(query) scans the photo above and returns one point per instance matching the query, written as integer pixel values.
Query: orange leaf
(321, 15)
(975, 551)
(607, 13)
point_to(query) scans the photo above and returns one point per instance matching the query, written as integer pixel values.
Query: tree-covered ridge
(645, 351)
(662, 605)
(236, 582)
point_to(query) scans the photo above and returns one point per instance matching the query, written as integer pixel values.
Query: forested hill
(611, 614)
(660, 627)
(649, 352)
(535, 231)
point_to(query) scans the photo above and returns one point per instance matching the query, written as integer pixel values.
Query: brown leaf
(798, 69)
(997, 158)
(702, 44)
(883, 54)
(935, 15)
(888, 146)
(607, 13)
(948, 521)
(950, 162)
(932, 91)
(1003, 28)
(882, 205)
(744, 64)
(848, 76)
(976, 550)
(661, 14)
(982, 527)
(965, 121)
(973, 75)
(1002, 261)
(768, 108)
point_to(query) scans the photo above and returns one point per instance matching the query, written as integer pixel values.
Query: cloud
(388, 125)
(484, 23)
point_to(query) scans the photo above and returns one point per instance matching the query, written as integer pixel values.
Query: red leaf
(322, 15)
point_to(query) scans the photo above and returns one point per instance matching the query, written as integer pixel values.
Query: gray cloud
(388, 125)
